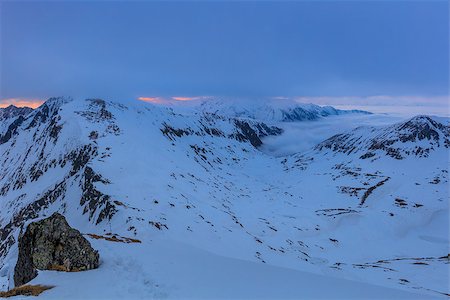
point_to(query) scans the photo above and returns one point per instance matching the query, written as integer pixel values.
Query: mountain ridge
(426, 132)
(139, 170)
(272, 110)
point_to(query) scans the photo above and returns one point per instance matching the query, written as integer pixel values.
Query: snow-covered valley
(229, 205)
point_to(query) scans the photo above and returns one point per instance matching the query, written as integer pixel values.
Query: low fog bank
(302, 136)
(402, 110)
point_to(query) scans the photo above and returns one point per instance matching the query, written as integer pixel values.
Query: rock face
(51, 244)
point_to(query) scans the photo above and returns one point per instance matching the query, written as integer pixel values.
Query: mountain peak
(57, 101)
(418, 136)
(421, 120)
(13, 111)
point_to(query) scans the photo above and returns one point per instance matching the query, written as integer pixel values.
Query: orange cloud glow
(185, 98)
(165, 100)
(21, 102)
(151, 99)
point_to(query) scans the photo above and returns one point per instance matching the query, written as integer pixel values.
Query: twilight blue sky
(250, 49)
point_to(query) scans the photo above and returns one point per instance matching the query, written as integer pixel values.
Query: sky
(377, 51)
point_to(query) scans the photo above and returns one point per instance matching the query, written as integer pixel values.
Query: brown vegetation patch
(64, 268)
(113, 238)
(58, 268)
(26, 290)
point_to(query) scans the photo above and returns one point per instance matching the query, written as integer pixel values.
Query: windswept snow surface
(163, 268)
(218, 217)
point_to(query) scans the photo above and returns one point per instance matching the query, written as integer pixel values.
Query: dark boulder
(51, 244)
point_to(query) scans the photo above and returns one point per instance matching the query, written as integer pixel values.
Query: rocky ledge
(51, 244)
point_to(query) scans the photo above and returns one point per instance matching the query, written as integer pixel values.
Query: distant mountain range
(272, 110)
(13, 111)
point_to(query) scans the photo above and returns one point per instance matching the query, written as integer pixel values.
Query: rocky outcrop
(51, 244)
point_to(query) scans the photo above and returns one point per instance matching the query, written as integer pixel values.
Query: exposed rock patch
(51, 244)
(243, 131)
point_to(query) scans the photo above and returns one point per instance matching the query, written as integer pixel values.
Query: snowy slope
(169, 269)
(198, 183)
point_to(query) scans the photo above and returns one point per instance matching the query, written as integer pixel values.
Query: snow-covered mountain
(416, 137)
(11, 114)
(13, 111)
(195, 190)
(271, 110)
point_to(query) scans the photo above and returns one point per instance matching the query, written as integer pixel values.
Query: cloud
(186, 98)
(171, 100)
(302, 136)
(379, 100)
(400, 105)
(152, 99)
(21, 102)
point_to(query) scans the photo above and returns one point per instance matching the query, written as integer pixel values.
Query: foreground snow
(167, 269)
